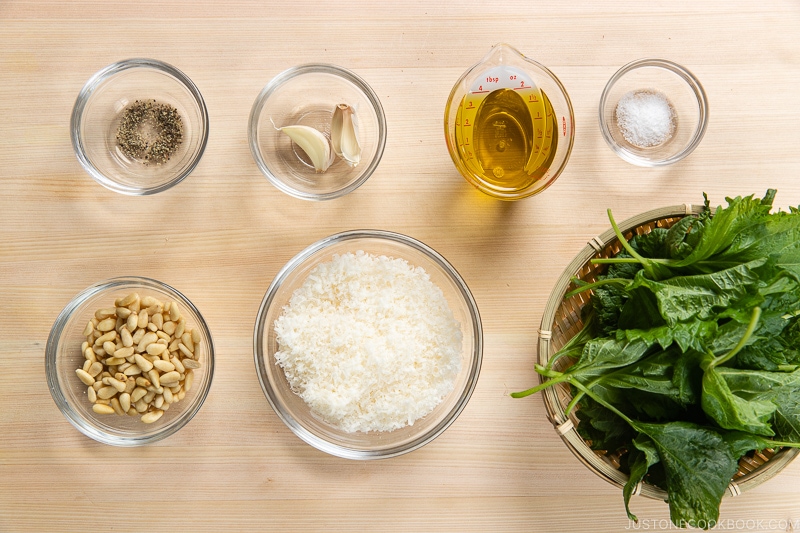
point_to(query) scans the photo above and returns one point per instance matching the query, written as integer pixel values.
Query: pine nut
(147, 398)
(186, 339)
(137, 335)
(178, 365)
(158, 401)
(133, 370)
(182, 347)
(84, 376)
(187, 383)
(109, 347)
(118, 385)
(124, 352)
(155, 379)
(124, 401)
(196, 336)
(147, 301)
(106, 392)
(180, 328)
(91, 394)
(168, 327)
(110, 336)
(155, 348)
(95, 369)
(123, 312)
(141, 406)
(127, 300)
(114, 361)
(89, 355)
(163, 336)
(174, 312)
(167, 395)
(142, 363)
(99, 351)
(132, 322)
(137, 394)
(152, 416)
(181, 395)
(116, 406)
(143, 382)
(129, 386)
(89, 329)
(97, 385)
(191, 364)
(163, 366)
(101, 409)
(147, 339)
(170, 377)
(87, 365)
(143, 318)
(127, 338)
(158, 320)
(107, 324)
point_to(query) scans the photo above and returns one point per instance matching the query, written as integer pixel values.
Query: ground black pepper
(150, 131)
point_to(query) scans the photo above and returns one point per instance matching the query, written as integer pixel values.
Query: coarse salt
(645, 118)
(369, 343)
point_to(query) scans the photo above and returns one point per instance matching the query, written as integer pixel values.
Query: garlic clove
(313, 143)
(344, 135)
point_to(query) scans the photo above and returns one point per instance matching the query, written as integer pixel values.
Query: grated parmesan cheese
(369, 343)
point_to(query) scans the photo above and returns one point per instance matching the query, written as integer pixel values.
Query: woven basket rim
(565, 427)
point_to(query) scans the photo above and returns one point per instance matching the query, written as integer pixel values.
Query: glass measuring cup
(509, 125)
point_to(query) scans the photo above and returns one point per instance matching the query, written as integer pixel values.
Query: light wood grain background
(222, 234)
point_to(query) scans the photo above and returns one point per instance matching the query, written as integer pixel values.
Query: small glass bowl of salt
(653, 112)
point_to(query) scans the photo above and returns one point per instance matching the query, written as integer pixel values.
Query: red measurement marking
(564, 125)
(532, 98)
(523, 87)
(470, 106)
(479, 92)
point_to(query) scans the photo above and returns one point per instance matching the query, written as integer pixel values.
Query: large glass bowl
(101, 105)
(292, 409)
(63, 355)
(307, 95)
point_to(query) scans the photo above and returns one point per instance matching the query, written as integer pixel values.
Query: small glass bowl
(307, 95)
(682, 90)
(63, 356)
(100, 107)
(293, 410)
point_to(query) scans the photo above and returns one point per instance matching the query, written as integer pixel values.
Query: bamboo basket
(562, 320)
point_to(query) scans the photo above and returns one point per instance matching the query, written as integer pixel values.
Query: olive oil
(506, 138)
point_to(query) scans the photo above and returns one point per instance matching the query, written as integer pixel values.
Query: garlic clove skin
(344, 135)
(313, 142)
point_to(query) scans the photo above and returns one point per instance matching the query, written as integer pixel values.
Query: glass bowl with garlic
(317, 131)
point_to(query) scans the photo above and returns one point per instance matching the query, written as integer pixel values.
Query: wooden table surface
(225, 232)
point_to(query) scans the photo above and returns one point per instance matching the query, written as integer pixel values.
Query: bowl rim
(94, 82)
(296, 71)
(565, 427)
(702, 104)
(259, 350)
(51, 367)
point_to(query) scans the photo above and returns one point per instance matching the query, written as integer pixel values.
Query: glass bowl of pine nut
(129, 361)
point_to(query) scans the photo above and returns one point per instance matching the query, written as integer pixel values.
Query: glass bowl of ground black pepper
(323, 109)
(139, 126)
(653, 112)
